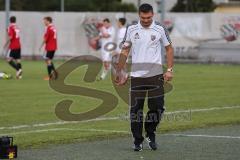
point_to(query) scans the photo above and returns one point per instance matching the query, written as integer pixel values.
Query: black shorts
(50, 54)
(15, 53)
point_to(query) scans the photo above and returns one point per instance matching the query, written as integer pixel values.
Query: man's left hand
(168, 76)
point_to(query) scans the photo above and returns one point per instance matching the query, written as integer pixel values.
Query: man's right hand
(168, 76)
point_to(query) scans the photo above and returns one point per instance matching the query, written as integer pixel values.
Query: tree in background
(1, 4)
(99, 5)
(194, 6)
(70, 5)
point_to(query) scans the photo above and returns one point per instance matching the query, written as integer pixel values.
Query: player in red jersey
(14, 47)
(50, 41)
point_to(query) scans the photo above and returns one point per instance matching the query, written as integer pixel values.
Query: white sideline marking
(64, 129)
(203, 109)
(111, 118)
(116, 131)
(57, 123)
(202, 135)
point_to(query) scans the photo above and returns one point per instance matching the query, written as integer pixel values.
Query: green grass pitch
(31, 101)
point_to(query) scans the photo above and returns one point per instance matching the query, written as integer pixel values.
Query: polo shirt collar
(151, 26)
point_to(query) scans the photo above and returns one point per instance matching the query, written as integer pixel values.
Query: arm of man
(125, 50)
(45, 38)
(9, 37)
(123, 58)
(42, 44)
(7, 43)
(169, 53)
(170, 58)
(122, 79)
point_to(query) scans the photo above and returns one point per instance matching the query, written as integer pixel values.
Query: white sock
(104, 73)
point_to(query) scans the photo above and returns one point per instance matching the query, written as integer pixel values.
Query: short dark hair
(145, 8)
(106, 20)
(122, 21)
(13, 19)
(49, 19)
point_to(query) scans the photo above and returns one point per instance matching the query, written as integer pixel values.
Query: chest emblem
(153, 37)
(136, 36)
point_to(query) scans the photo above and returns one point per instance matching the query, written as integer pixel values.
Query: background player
(107, 34)
(50, 41)
(14, 46)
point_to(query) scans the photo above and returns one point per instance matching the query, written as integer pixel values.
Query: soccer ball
(5, 75)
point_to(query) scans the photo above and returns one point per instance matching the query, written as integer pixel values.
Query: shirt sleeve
(165, 37)
(126, 43)
(127, 36)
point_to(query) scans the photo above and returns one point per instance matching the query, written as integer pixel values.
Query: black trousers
(152, 88)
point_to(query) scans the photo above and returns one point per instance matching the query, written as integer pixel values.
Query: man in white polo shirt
(144, 40)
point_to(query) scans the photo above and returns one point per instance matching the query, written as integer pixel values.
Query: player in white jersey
(106, 36)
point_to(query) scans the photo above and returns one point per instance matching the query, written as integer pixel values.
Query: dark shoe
(137, 147)
(53, 75)
(151, 144)
(56, 74)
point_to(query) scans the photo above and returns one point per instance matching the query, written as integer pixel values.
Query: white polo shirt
(146, 48)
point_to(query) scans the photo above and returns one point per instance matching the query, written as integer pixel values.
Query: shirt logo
(136, 36)
(153, 37)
